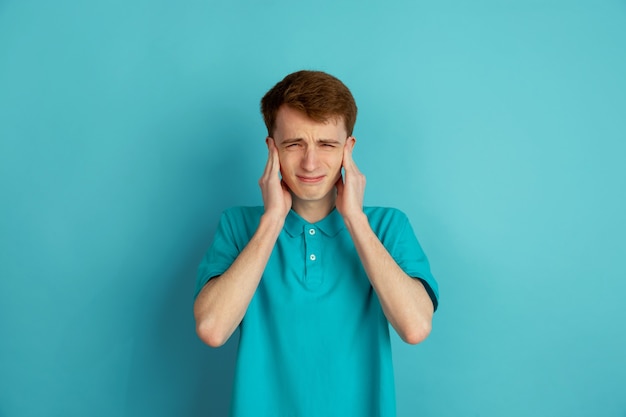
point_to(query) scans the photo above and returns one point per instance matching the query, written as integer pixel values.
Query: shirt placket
(312, 244)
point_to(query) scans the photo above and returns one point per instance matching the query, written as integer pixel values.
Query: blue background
(126, 127)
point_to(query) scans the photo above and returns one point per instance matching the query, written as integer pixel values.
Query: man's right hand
(222, 303)
(276, 196)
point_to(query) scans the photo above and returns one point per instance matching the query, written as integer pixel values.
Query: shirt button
(311, 232)
(312, 257)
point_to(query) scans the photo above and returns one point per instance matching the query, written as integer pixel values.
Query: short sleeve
(398, 237)
(410, 256)
(220, 255)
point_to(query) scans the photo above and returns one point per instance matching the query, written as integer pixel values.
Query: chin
(312, 195)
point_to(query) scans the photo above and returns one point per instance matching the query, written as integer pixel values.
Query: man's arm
(404, 299)
(222, 303)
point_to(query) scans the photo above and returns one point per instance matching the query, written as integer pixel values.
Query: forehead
(292, 123)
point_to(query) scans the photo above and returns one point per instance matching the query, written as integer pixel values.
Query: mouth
(310, 180)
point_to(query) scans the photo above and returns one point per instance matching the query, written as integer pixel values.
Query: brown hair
(317, 94)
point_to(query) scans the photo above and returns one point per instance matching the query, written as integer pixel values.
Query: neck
(314, 211)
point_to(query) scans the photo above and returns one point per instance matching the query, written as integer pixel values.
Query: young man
(313, 278)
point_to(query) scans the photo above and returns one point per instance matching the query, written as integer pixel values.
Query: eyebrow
(322, 141)
(291, 140)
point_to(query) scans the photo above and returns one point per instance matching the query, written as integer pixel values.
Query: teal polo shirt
(314, 341)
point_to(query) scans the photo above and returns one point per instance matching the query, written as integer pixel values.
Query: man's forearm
(222, 303)
(404, 300)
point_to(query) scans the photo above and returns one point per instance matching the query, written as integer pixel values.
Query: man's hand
(404, 299)
(350, 190)
(276, 196)
(224, 300)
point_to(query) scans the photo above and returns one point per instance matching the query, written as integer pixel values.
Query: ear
(351, 141)
(268, 140)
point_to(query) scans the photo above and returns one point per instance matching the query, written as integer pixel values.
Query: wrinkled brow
(297, 140)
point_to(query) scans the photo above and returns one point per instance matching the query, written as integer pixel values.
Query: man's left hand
(350, 185)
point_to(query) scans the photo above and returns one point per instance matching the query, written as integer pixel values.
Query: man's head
(320, 96)
(310, 116)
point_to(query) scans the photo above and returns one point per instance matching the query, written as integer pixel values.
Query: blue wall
(126, 127)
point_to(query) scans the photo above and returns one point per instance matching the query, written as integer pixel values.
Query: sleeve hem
(431, 293)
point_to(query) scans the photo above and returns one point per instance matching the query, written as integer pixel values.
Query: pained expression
(310, 153)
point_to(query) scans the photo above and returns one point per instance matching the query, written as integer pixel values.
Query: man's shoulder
(244, 211)
(376, 212)
(386, 220)
(242, 214)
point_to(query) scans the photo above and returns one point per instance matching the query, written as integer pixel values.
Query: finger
(347, 149)
(339, 185)
(349, 163)
(268, 165)
(275, 160)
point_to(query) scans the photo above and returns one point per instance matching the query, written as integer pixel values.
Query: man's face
(310, 154)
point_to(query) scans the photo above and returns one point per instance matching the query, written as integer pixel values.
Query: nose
(309, 160)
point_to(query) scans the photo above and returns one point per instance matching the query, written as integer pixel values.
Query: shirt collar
(329, 225)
